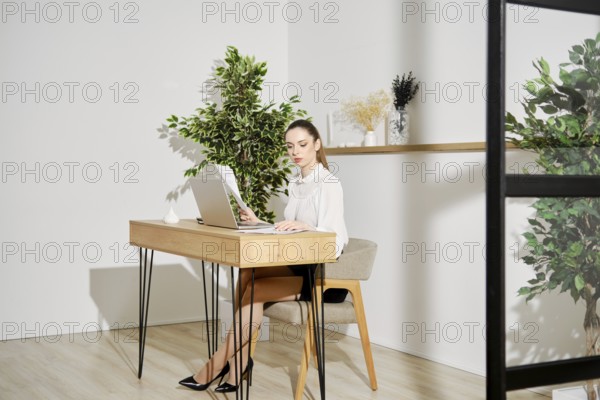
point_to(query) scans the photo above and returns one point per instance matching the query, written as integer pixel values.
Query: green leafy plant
(243, 132)
(564, 235)
(404, 90)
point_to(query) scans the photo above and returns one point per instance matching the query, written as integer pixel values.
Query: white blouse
(318, 200)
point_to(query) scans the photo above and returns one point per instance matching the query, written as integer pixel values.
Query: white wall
(161, 61)
(425, 210)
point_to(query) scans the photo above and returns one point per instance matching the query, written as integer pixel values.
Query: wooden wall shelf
(407, 148)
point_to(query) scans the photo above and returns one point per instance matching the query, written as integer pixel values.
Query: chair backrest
(356, 262)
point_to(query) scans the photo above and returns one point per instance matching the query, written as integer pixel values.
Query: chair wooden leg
(361, 320)
(309, 349)
(308, 346)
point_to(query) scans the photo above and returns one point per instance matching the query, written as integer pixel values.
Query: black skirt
(333, 295)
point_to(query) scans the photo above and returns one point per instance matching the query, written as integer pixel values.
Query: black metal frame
(580, 6)
(501, 378)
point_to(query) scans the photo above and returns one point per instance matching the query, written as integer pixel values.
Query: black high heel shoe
(247, 374)
(191, 383)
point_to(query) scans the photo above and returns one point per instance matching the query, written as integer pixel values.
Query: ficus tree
(242, 131)
(562, 126)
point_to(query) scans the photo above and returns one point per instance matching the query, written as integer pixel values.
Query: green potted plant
(564, 234)
(243, 132)
(404, 90)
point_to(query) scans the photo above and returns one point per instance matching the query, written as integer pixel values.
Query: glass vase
(398, 127)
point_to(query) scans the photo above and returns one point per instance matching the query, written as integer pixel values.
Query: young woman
(315, 203)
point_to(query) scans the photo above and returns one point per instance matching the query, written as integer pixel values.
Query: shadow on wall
(176, 294)
(542, 334)
(550, 326)
(187, 148)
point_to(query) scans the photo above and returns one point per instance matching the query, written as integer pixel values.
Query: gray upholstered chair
(353, 266)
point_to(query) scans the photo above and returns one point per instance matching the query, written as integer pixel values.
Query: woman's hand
(248, 215)
(293, 226)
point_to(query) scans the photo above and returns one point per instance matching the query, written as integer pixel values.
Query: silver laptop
(213, 203)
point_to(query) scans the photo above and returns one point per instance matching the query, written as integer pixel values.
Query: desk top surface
(231, 247)
(192, 226)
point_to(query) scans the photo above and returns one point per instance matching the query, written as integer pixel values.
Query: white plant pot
(370, 139)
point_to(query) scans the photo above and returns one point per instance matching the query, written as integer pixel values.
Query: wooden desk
(229, 247)
(188, 238)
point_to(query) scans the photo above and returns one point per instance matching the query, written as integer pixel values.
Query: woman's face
(302, 148)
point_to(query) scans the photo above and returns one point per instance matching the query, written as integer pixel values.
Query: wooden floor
(104, 366)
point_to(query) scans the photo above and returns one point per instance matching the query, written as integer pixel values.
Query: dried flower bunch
(404, 90)
(367, 112)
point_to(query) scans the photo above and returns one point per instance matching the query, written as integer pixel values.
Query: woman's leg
(245, 277)
(224, 353)
(265, 290)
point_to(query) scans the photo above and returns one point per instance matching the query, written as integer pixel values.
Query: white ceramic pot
(370, 139)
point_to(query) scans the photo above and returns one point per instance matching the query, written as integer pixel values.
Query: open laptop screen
(214, 205)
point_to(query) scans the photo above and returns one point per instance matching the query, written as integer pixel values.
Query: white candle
(330, 128)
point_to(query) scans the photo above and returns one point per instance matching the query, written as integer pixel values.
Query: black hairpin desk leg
(145, 277)
(212, 321)
(319, 326)
(238, 336)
